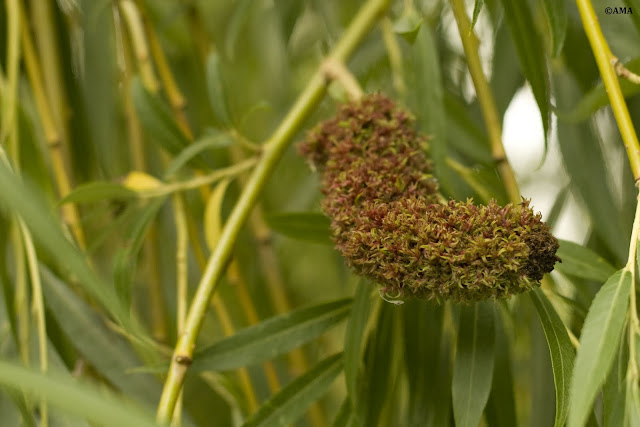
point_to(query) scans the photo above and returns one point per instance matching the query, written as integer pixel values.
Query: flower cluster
(392, 226)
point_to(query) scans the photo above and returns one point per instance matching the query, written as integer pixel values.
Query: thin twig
(485, 97)
(603, 57)
(38, 310)
(395, 57)
(624, 72)
(136, 31)
(51, 132)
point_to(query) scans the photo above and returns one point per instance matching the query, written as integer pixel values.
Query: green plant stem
(395, 58)
(38, 310)
(176, 99)
(274, 148)
(485, 98)
(634, 324)
(199, 181)
(52, 134)
(198, 32)
(8, 124)
(136, 31)
(20, 303)
(49, 54)
(182, 241)
(335, 70)
(606, 61)
(467, 175)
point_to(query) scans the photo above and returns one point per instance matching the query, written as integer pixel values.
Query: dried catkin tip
(389, 222)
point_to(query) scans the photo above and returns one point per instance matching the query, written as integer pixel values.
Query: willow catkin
(391, 225)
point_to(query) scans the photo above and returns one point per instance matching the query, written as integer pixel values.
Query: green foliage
(141, 140)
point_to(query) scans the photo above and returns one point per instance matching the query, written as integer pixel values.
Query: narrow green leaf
(376, 386)
(501, 408)
(127, 257)
(614, 389)
(463, 133)
(477, 7)
(26, 202)
(272, 337)
(293, 400)
(97, 191)
(157, 120)
(632, 404)
(597, 97)
(427, 356)
(239, 17)
(473, 366)
(344, 415)
(307, 226)
(408, 25)
(580, 261)
(75, 398)
(598, 344)
(634, 5)
(585, 163)
(210, 142)
(213, 220)
(109, 354)
(506, 78)
(561, 350)
(354, 337)
(427, 98)
(557, 207)
(215, 89)
(556, 13)
(530, 49)
(10, 412)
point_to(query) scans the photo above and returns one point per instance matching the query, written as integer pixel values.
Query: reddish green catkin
(389, 222)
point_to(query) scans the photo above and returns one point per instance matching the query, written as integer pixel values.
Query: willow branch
(606, 60)
(274, 149)
(485, 98)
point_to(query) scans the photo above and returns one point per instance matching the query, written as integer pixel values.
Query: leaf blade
(557, 18)
(75, 398)
(271, 337)
(97, 191)
(561, 350)
(598, 343)
(473, 366)
(580, 261)
(531, 55)
(307, 226)
(291, 402)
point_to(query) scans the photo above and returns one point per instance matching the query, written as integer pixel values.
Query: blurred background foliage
(131, 84)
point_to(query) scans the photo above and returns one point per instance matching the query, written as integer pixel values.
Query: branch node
(182, 359)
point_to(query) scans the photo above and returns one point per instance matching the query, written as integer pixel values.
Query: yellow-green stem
(182, 241)
(38, 311)
(395, 58)
(8, 124)
(492, 120)
(274, 148)
(136, 148)
(634, 323)
(136, 32)
(199, 181)
(198, 31)
(604, 59)
(20, 298)
(49, 54)
(176, 99)
(51, 132)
